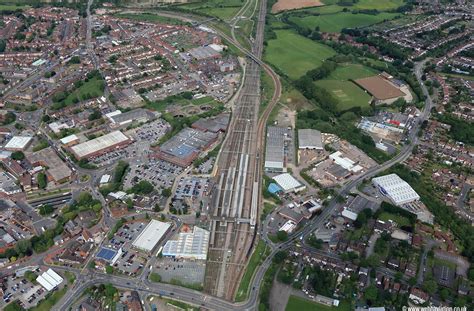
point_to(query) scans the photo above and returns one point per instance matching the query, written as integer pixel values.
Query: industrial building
(288, 183)
(385, 89)
(190, 245)
(183, 148)
(215, 124)
(117, 118)
(70, 140)
(345, 162)
(276, 144)
(49, 280)
(310, 139)
(396, 189)
(100, 145)
(18, 143)
(151, 235)
(57, 170)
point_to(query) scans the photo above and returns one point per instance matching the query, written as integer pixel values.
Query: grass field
(347, 93)
(12, 7)
(254, 262)
(223, 9)
(294, 54)
(300, 304)
(381, 5)
(91, 87)
(351, 72)
(336, 22)
(400, 220)
(150, 18)
(49, 303)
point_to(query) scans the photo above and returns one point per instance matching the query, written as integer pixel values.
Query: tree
(23, 247)
(371, 293)
(18, 155)
(430, 286)
(46, 209)
(42, 180)
(166, 192)
(280, 256)
(109, 269)
(282, 235)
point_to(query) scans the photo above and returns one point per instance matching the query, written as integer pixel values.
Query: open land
(294, 54)
(284, 5)
(337, 22)
(297, 304)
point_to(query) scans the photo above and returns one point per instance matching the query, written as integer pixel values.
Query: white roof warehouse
(49, 280)
(100, 145)
(151, 235)
(396, 189)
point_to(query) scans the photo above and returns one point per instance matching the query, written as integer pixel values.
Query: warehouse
(117, 118)
(310, 139)
(276, 141)
(70, 140)
(151, 235)
(396, 189)
(100, 145)
(183, 148)
(57, 170)
(49, 280)
(18, 143)
(288, 183)
(190, 245)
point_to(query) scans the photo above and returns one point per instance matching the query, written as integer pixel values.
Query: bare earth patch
(284, 5)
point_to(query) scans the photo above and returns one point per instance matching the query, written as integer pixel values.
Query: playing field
(347, 93)
(294, 54)
(337, 22)
(351, 72)
(300, 304)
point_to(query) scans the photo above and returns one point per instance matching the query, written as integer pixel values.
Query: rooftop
(100, 143)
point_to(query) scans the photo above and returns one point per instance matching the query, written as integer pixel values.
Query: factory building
(288, 183)
(100, 145)
(183, 148)
(18, 143)
(396, 189)
(310, 139)
(117, 118)
(190, 245)
(276, 144)
(57, 170)
(151, 235)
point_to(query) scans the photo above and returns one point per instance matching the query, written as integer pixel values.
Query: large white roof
(49, 279)
(189, 245)
(287, 182)
(18, 142)
(398, 190)
(99, 143)
(151, 235)
(66, 140)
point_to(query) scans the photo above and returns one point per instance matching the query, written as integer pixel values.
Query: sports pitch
(346, 93)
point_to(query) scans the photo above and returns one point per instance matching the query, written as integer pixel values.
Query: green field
(347, 93)
(12, 7)
(49, 302)
(351, 72)
(295, 55)
(223, 9)
(336, 22)
(300, 304)
(400, 220)
(91, 87)
(150, 17)
(381, 5)
(254, 262)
